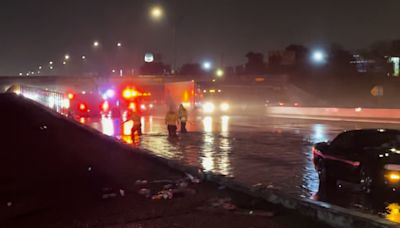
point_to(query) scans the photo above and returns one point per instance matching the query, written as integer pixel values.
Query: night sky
(34, 32)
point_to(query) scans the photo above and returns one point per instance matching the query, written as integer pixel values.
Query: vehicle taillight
(82, 107)
(105, 106)
(132, 106)
(70, 96)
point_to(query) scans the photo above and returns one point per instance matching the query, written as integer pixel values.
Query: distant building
(363, 65)
(386, 65)
(396, 65)
(287, 58)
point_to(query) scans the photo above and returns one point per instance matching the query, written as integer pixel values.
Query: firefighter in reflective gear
(137, 125)
(183, 117)
(171, 120)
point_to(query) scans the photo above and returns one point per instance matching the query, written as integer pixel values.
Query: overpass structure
(93, 82)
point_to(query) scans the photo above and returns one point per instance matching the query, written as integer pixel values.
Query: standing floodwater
(277, 152)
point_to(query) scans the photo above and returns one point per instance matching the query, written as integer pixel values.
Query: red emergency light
(129, 93)
(82, 107)
(105, 106)
(132, 106)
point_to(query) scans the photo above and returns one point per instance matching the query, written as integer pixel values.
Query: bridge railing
(55, 100)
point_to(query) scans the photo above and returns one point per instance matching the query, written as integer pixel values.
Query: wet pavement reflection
(272, 151)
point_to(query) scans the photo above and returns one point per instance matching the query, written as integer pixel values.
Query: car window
(378, 139)
(344, 141)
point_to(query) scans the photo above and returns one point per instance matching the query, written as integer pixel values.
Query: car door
(339, 159)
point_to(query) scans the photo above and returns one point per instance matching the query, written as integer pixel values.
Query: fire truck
(204, 98)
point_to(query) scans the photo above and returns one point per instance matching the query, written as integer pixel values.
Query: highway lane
(273, 151)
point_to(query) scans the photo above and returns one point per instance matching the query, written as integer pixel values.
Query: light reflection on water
(210, 146)
(251, 156)
(310, 177)
(272, 156)
(393, 212)
(107, 126)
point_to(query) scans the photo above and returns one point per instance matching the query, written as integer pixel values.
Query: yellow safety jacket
(183, 115)
(171, 118)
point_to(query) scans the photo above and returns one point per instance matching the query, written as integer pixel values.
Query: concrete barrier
(332, 113)
(324, 212)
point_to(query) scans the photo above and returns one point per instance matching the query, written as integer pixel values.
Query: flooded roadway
(272, 151)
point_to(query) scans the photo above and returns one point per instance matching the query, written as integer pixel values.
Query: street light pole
(157, 13)
(173, 47)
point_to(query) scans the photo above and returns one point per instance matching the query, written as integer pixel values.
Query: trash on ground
(259, 186)
(220, 201)
(167, 189)
(145, 191)
(182, 184)
(122, 192)
(141, 182)
(270, 186)
(165, 194)
(192, 178)
(108, 195)
(163, 182)
(222, 187)
(167, 186)
(255, 213)
(229, 206)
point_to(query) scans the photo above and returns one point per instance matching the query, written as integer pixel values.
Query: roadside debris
(255, 213)
(141, 182)
(259, 186)
(192, 178)
(108, 195)
(167, 189)
(145, 191)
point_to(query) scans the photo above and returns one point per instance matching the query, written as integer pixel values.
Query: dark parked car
(370, 157)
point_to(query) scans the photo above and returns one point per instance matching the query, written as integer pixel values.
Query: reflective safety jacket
(171, 118)
(183, 115)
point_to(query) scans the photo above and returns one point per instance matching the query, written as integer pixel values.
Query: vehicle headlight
(393, 173)
(224, 107)
(208, 107)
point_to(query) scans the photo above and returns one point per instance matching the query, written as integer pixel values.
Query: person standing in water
(183, 117)
(171, 120)
(137, 124)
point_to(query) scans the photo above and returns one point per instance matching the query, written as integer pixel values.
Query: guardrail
(332, 113)
(52, 99)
